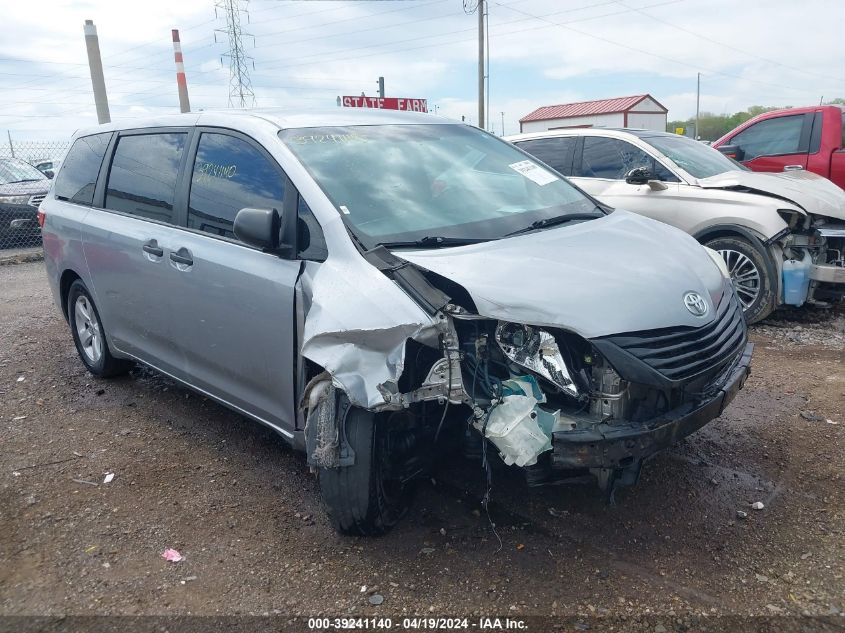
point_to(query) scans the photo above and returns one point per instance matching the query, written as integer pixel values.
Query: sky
(307, 52)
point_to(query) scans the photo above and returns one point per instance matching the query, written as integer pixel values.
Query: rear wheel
(749, 274)
(363, 499)
(89, 336)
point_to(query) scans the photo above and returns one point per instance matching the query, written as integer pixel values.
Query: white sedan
(781, 235)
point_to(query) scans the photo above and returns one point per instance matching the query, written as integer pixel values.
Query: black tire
(104, 365)
(740, 255)
(360, 501)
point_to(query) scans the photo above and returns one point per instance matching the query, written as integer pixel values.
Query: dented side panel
(357, 327)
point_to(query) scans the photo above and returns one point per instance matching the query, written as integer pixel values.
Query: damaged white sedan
(386, 288)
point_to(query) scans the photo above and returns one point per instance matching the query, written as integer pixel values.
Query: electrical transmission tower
(240, 86)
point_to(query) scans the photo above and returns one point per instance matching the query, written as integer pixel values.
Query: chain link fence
(26, 170)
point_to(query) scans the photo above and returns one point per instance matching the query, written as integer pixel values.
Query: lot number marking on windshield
(344, 209)
(533, 172)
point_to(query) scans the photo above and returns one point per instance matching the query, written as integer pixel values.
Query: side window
(611, 158)
(780, 135)
(230, 174)
(309, 238)
(142, 178)
(555, 152)
(661, 172)
(78, 175)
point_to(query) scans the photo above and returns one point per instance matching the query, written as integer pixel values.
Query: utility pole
(240, 86)
(481, 64)
(697, 105)
(181, 82)
(503, 123)
(381, 87)
(95, 65)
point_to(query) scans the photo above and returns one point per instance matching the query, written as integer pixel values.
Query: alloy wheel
(744, 275)
(88, 329)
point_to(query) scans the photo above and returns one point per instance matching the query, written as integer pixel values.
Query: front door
(775, 145)
(601, 172)
(233, 313)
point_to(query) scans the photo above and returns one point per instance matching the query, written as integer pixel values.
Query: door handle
(792, 167)
(153, 248)
(182, 256)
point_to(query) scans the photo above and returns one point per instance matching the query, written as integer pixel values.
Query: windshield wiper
(558, 219)
(14, 182)
(436, 241)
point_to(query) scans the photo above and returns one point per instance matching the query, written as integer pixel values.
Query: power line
(645, 52)
(345, 53)
(728, 46)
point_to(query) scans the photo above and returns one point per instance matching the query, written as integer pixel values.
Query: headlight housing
(17, 199)
(719, 261)
(536, 350)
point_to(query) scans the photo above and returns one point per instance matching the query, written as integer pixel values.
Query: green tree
(713, 126)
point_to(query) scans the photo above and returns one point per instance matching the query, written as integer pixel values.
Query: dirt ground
(245, 513)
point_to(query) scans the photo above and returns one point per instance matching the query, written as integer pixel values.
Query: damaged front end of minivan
(552, 402)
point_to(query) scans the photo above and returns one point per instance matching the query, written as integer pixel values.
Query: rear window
(142, 178)
(78, 175)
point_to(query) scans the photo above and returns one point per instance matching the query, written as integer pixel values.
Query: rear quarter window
(78, 176)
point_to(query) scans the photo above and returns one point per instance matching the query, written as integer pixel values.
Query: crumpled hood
(621, 273)
(813, 193)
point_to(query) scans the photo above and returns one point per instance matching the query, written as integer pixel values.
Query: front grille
(37, 199)
(683, 352)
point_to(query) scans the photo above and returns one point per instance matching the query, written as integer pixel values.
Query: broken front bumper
(827, 273)
(617, 446)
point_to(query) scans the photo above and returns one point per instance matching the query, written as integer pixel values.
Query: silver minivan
(385, 289)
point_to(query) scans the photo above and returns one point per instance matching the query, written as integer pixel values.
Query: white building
(638, 111)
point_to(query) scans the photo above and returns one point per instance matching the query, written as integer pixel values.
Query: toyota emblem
(695, 303)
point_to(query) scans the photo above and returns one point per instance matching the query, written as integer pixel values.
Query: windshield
(696, 158)
(404, 183)
(15, 170)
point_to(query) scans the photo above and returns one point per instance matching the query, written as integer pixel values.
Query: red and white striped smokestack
(181, 82)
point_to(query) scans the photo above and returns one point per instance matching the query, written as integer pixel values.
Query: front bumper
(827, 273)
(617, 446)
(9, 213)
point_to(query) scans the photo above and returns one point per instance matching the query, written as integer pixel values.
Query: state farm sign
(386, 103)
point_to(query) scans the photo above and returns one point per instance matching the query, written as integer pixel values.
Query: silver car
(385, 288)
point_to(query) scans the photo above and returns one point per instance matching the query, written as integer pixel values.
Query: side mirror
(732, 151)
(258, 227)
(638, 176)
(49, 173)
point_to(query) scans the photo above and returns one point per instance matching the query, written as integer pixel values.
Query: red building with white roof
(637, 111)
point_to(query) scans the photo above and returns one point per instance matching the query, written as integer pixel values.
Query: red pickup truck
(810, 138)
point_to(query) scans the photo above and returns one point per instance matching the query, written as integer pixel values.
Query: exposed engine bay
(548, 400)
(819, 245)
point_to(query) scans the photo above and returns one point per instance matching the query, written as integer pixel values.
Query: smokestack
(95, 64)
(181, 81)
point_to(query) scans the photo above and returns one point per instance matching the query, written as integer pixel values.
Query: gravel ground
(245, 513)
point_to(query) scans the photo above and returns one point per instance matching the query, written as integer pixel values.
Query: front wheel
(750, 276)
(363, 499)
